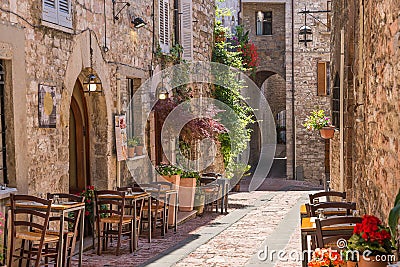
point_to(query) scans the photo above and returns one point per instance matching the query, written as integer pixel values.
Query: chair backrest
(73, 217)
(38, 220)
(109, 203)
(328, 195)
(329, 237)
(134, 189)
(348, 206)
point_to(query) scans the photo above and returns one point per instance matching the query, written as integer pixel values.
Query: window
(134, 109)
(323, 78)
(187, 29)
(57, 12)
(164, 38)
(264, 23)
(336, 103)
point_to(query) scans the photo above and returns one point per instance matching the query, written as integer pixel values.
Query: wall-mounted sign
(47, 106)
(121, 139)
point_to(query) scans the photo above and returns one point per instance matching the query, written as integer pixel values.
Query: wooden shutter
(322, 78)
(64, 13)
(187, 29)
(49, 12)
(164, 25)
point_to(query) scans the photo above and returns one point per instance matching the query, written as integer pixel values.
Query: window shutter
(322, 79)
(164, 25)
(64, 13)
(49, 12)
(187, 29)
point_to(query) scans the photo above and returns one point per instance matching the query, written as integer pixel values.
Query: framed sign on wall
(47, 106)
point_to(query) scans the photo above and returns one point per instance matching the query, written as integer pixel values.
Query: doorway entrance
(79, 171)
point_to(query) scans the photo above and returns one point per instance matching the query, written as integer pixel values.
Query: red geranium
(325, 257)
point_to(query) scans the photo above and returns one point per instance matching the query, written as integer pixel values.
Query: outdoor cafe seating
(325, 222)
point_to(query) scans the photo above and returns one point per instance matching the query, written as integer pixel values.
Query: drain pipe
(341, 119)
(118, 77)
(293, 98)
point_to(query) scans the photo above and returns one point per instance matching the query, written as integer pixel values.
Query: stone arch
(99, 107)
(273, 87)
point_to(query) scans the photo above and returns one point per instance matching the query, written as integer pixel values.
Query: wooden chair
(328, 195)
(349, 207)
(30, 225)
(339, 229)
(158, 209)
(70, 235)
(110, 211)
(211, 196)
(130, 208)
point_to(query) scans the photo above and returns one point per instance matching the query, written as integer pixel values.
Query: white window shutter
(187, 29)
(164, 25)
(64, 13)
(49, 12)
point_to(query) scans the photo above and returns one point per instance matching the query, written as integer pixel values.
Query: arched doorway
(79, 167)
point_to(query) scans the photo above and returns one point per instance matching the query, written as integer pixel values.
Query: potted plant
(170, 173)
(393, 221)
(139, 145)
(187, 190)
(132, 142)
(370, 239)
(318, 121)
(326, 257)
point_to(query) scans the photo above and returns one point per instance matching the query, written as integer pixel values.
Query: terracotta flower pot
(372, 262)
(351, 264)
(175, 180)
(131, 152)
(187, 190)
(327, 132)
(139, 150)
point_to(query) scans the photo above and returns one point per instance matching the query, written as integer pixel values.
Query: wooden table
(308, 228)
(166, 195)
(328, 211)
(63, 209)
(133, 198)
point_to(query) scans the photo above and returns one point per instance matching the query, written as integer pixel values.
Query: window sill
(136, 158)
(57, 27)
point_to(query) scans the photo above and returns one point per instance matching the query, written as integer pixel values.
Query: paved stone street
(255, 221)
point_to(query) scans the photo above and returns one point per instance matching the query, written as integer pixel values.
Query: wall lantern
(92, 83)
(162, 93)
(305, 32)
(138, 22)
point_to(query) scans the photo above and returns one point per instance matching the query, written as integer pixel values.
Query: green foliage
(317, 120)
(394, 219)
(190, 174)
(168, 170)
(235, 142)
(235, 169)
(132, 142)
(173, 56)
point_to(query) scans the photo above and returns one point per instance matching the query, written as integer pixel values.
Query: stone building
(365, 157)
(291, 89)
(57, 136)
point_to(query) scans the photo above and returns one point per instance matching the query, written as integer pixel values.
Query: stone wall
(310, 147)
(56, 56)
(375, 164)
(274, 89)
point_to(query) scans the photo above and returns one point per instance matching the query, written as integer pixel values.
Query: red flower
(88, 200)
(87, 213)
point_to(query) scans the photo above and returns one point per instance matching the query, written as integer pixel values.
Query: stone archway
(99, 126)
(273, 87)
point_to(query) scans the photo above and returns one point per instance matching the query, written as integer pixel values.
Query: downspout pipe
(176, 22)
(293, 101)
(239, 12)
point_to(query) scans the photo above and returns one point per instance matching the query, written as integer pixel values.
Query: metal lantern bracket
(306, 31)
(115, 14)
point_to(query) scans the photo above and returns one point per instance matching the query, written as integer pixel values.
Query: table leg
(223, 198)
(304, 248)
(149, 216)
(61, 241)
(6, 237)
(82, 221)
(134, 226)
(176, 213)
